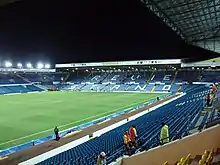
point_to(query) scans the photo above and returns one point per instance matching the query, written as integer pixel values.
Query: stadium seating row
(124, 87)
(177, 114)
(205, 159)
(22, 78)
(140, 77)
(19, 89)
(166, 77)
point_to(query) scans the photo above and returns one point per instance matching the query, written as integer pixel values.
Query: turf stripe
(75, 122)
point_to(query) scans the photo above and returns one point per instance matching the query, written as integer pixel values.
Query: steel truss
(193, 20)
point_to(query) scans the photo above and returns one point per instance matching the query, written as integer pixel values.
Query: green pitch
(29, 116)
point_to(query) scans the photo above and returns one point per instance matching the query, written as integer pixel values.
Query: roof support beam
(208, 21)
(192, 11)
(211, 29)
(165, 19)
(196, 16)
(183, 4)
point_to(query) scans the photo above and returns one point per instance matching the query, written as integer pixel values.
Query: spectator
(133, 134)
(56, 132)
(130, 149)
(208, 100)
(126, 139)
(214, 87)
(101, 159)
(164, 134)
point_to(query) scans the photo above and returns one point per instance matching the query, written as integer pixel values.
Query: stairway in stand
(208, 158)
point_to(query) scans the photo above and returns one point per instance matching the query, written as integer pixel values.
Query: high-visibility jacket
(133, 132)
(126, 139)
(164, 134)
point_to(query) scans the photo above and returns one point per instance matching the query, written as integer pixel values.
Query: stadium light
(29, 65)
(19, 65)
(47, 66)
(40, 66)
(8, 64)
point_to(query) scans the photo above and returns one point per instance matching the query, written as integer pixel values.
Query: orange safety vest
(126, 139)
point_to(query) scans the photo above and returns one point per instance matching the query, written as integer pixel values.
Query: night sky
(86, 30)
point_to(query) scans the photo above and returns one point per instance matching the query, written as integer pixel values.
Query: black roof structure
(4, 2)
(196, 21)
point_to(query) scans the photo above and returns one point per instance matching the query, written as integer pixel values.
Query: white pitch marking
(71, 123)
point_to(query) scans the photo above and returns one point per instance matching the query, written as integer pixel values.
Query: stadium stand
(178, 114)
(184, 116)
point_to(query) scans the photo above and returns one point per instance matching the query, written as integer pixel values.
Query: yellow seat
(200, 162)
(166, 163)
(186, 162)
(210, 157)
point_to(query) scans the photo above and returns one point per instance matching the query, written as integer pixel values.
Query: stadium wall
(174, 151)
(73, 144)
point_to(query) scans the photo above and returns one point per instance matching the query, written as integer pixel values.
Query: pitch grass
(29, 116)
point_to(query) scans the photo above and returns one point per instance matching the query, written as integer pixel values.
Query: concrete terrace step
(216, 159)
(195, 161)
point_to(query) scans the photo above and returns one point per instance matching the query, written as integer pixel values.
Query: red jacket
(133, 132)
(207, 97)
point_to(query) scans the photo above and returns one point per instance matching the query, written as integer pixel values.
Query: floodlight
(8, 64)
(47, 66)
(40, 65)
(19, 65)
(29, 65)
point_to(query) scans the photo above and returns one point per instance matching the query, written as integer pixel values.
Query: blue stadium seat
(177, 115)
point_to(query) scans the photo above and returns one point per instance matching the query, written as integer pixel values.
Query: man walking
(164, 134)
(56, 132)
(133, 134)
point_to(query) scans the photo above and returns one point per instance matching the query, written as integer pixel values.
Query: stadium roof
(196, 21)
(4, 2)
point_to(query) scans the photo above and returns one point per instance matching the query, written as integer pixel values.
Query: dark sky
(86, 30)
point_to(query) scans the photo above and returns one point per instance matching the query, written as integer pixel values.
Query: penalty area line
(65, 125)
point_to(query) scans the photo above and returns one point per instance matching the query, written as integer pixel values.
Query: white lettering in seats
(116, 87)
(167, 77)
(114, 78)
(140, 88)
(166, 87)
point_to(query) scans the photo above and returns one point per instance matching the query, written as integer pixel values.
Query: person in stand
(164, 134)
(101, 159)
(133, 134)
(56, 132)
(127, 140)
(131, 149)
(208, 100)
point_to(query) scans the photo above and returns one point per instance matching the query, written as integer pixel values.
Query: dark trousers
(208, 103)
(57, 136)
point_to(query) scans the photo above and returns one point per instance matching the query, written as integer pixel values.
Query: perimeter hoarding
(207, 63)
(121, 63)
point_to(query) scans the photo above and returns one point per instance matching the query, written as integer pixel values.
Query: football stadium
(93, 104)
(142, 112)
